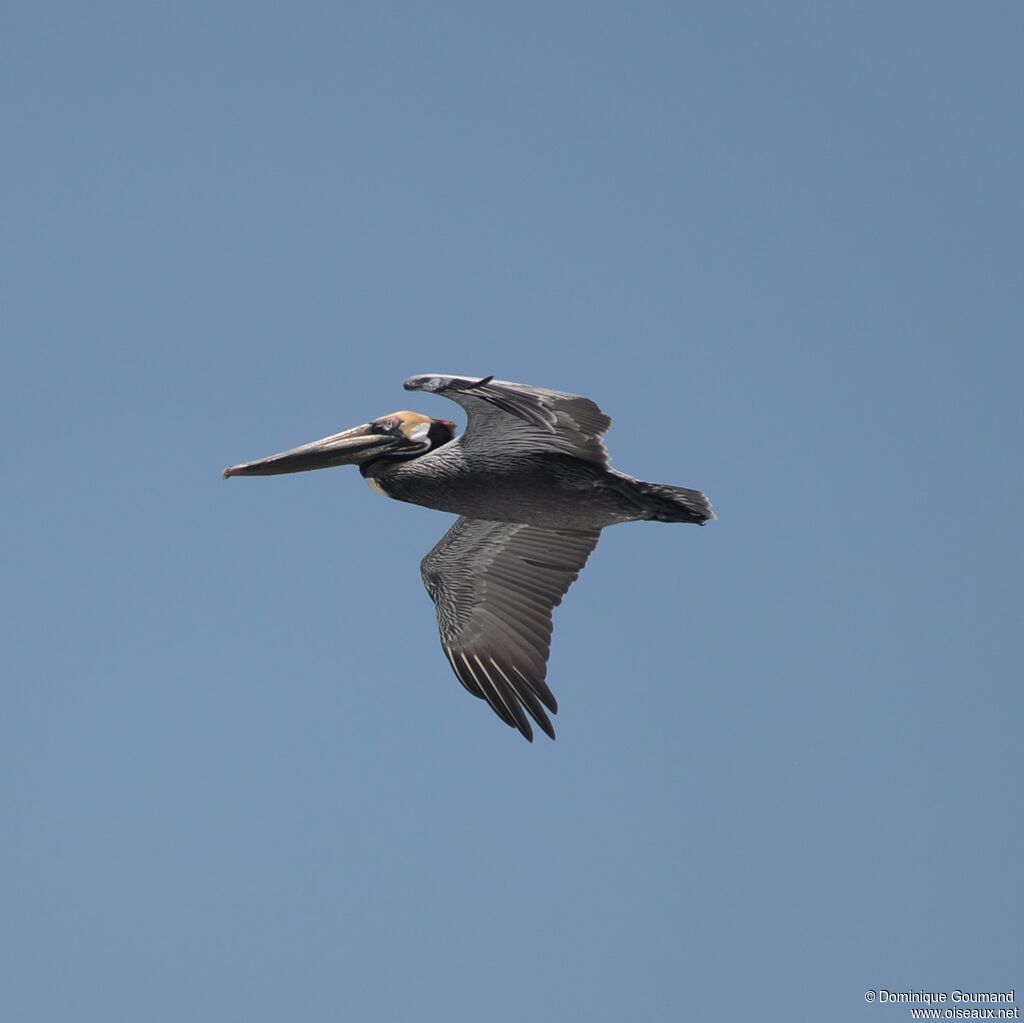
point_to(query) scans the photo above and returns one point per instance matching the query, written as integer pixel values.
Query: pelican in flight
(532, 486)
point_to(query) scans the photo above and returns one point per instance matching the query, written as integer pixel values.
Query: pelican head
(396, 437)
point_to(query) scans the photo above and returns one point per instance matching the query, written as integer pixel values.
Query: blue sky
(780, 245)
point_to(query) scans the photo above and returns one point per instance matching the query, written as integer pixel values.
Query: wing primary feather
(498, 706)
(541, 689)
(520, 646)
(530, 698)
(509, 698)
(458, 674)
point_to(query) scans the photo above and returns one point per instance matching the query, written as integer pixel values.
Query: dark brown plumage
(531, 482)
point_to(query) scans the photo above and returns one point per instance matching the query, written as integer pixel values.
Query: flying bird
(532, 485)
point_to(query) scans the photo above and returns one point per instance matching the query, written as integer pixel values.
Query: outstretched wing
(495, 585)
(522, 418)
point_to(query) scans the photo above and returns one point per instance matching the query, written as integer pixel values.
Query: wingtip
(522, 724)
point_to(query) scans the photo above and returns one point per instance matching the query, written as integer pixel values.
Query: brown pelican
(531, 483)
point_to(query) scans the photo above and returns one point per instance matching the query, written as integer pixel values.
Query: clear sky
(779, 244)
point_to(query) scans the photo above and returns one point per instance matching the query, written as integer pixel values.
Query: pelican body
(532, 485)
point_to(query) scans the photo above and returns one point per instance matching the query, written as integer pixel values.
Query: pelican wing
(495, 585)
(523, 418)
